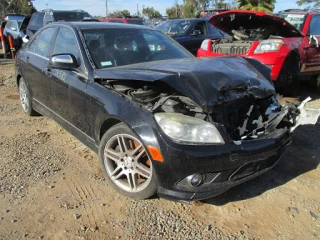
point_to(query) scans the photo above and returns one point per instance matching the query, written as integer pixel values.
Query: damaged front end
(239, 119)
(216, 127)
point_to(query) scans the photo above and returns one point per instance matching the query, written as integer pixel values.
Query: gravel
(24, 162)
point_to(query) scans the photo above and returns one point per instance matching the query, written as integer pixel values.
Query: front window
(295, 19)
(66, 43)
(117, 47)
(315, 25)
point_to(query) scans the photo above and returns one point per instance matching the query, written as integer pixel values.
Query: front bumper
(222, 167)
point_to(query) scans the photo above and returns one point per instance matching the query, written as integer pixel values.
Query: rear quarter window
(37, 19)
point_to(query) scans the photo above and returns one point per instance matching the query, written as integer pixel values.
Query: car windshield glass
(117, 47)
(174, 27)
(295, 19)
(72, 16)
(135, 21)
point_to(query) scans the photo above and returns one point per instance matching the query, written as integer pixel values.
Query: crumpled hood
(229, 20)
(205, 81)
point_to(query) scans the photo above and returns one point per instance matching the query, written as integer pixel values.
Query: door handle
(27, 59)
(48, 72)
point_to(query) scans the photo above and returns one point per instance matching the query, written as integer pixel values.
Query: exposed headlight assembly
(188, 130)
(273, 45)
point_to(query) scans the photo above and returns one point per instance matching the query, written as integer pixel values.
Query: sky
(98, 7)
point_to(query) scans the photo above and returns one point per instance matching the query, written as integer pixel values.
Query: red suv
(287, 42)
(124, 19)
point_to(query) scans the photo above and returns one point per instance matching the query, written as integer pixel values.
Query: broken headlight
(269, 46)
(188, 129)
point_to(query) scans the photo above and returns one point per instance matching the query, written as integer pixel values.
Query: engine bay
(245, 118)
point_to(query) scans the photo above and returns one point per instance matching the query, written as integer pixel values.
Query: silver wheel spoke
(122, 144)
(143, 171)
(118, 176)
(115, 156)
(133, 181)
(140, 154)
(136, 150)
(115, 171)
(123, 156)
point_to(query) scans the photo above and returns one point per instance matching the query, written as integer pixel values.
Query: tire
(126, 164)
(25, 99)
(315, 83)
(288, 81)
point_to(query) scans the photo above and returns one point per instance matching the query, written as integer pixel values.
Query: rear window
(37, 19)
(71, 16)
(135, 21)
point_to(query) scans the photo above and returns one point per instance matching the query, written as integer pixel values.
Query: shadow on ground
(301, 157)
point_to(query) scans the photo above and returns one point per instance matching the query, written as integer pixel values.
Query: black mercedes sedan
(160, 120)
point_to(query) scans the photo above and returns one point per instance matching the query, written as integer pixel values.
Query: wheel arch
(107, 124)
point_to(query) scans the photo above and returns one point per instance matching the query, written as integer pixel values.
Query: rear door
(36, 58)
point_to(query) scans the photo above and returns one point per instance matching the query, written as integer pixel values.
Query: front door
(68, 91)
(313, 49)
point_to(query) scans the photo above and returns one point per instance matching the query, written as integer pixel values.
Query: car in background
(148, 23)
(288, 43)
(161, 120)
(124, 19)
(14, 16)
(7, 17)
(190, 32)
(17, 30)
(40, 19)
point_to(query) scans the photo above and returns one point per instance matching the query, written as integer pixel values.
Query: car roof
(106, 25)
(185, 19)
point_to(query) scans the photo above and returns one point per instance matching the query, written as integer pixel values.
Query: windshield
(117, 47)
(295, 19)
(174, 27)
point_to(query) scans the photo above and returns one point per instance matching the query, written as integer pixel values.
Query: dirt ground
(51, 187)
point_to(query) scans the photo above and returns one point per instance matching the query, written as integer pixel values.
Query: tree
(190, 8)
(120, 13)
(218, 4)
(175, 11)
(16, 6)
(309, 3)
(151, 13)
(259, 5)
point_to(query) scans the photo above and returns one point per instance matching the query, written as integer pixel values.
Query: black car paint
(193, 78)
(81, 105)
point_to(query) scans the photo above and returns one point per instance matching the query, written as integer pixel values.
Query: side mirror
(63, 61)
(195, 33)
(313, 41)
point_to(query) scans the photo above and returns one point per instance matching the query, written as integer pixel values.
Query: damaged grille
(231, 48)
(246, 118)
